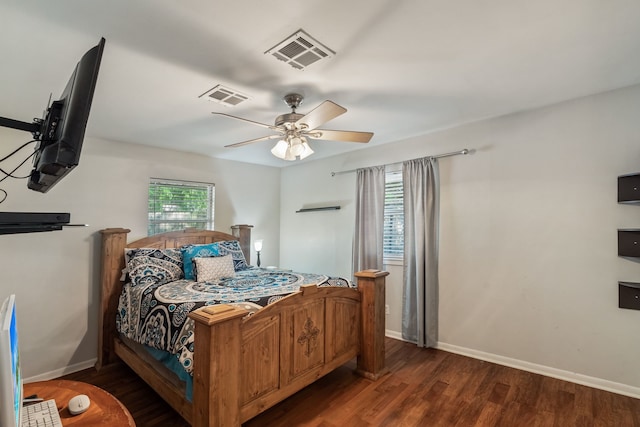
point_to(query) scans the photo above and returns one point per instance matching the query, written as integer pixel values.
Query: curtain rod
(437, 156)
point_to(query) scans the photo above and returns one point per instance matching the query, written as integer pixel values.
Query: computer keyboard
(41, 414)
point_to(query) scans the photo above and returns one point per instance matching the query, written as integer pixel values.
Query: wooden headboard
(114, 242)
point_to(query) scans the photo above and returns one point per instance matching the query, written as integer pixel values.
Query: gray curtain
(421, 217)
(367, 243)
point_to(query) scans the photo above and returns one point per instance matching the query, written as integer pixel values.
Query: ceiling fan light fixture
(294, 129)
(296, 146)
(292, 148)
(307, 150)
(289, 155)
(280, 149)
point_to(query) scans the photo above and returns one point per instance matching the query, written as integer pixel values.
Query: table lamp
(257, 245)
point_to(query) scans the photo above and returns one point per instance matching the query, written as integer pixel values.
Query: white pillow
(211, 269)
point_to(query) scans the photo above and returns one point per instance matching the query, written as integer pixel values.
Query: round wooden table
(104, 410)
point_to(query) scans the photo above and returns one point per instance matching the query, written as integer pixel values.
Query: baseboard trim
(599, 383)
(62, 371)
(573, 377)
(393, 334)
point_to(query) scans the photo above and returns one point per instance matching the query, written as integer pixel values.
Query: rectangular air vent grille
(300, 50)
(225, 96)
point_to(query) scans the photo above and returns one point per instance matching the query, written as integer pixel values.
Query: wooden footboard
(244, 364)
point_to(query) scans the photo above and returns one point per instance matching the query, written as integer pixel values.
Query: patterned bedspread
(156, 315)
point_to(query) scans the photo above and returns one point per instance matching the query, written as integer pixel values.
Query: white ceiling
(402, 68)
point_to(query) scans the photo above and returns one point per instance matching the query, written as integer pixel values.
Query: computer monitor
(10, 374)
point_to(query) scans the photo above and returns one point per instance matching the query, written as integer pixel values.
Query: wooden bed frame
(242, 364)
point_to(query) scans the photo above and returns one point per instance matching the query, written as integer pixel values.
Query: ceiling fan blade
(321, 114)
(341, 135)
(246, 120)
(251, 141)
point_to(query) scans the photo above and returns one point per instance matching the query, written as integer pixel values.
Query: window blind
(393, 237)
(175, 205)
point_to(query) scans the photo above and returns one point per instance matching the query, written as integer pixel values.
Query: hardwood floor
(425, 387)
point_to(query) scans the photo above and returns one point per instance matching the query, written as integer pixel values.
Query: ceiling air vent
(300, 50)
(225, 96)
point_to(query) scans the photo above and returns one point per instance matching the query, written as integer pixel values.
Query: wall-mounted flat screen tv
(60, 133)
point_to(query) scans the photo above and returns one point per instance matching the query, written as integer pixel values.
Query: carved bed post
(114, 241)
(371, 363)
(216, 379)
(243, 233)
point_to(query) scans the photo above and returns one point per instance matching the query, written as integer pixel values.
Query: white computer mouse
(78, 404)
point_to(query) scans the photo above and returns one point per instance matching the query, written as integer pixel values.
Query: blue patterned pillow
(153, 266)
(233, 247)
(201, 251)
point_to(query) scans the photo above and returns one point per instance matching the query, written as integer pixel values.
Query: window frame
(393, 206)
(155, 226)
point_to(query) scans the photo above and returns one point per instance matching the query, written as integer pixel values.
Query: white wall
(55, 275)
(528, 260)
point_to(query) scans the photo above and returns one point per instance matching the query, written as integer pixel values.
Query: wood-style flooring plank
(425, 387)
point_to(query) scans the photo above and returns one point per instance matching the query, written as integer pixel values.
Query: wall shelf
(629, 189)
(324, 208)
(629, 295)
(629, 240)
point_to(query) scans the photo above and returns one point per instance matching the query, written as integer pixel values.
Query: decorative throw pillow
(233, 247)
(192, 251)
(153, 266)
(214, 268)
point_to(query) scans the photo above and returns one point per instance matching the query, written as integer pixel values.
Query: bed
(246, 359)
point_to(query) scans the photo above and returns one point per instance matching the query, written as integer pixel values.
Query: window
(393, 238)
(175, 205)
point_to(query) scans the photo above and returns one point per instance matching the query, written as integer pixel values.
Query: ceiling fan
(293, 129)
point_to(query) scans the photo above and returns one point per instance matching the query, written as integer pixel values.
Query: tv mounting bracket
(35, 128)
